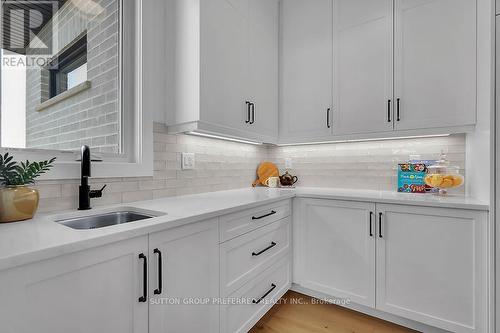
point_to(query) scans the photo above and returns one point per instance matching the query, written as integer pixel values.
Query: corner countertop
(41, 238)
(390, 197)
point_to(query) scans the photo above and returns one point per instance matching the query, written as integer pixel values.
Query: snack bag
(411, 177)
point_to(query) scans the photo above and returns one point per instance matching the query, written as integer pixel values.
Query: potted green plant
(18, 201)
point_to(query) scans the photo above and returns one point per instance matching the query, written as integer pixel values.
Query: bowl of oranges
(443, 177)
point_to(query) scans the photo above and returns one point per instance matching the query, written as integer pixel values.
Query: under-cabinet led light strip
(364, 140)
(212, 136)
(224, 138)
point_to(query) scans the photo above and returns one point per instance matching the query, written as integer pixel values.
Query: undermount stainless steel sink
(103, 220)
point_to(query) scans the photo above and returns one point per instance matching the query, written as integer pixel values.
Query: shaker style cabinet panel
(224, 62)
(225, 68)
(363, 66)
(334, 248)
(306, 69)
(380, 67)
(184, 268)
(432, 266)
(435, 63)
(96, 290)
(263, 70)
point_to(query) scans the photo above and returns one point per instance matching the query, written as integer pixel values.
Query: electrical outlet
(288, 163)
(188, 161)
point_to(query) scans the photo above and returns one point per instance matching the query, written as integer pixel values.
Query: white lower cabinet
(96, 290)
(255, 266)
(243, 258)
(119, 287)
(429, 265)
(420, 264)
(247, 305)
(432, 266)
(189, 260)
(334, 246)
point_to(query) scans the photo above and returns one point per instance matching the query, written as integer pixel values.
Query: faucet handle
(97, 193)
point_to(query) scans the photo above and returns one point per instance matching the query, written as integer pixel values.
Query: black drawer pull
(371, 222)
(257, 301)
(248, 111)
(273, 244)
(398, 113)
(389, 120)
(380, 226)
(160, 278)
(253, 113)
(263, 216)
(144, 296)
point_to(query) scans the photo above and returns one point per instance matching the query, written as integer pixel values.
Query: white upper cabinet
(363, 66)
(382, 67)
(435, 63)
(263, 73)
(306, 82)
(225, 68)
(224, 62)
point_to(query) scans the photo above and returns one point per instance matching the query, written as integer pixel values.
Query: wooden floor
(320, 318)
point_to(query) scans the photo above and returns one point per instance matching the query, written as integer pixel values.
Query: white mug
(272, 182)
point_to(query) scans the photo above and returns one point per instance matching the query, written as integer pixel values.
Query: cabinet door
(306, 81)
(95, 290)
(432, 266)
(363, 66)
(263, 73)
(189, 275)
(435, 63)
(334, 249)
(224, 62)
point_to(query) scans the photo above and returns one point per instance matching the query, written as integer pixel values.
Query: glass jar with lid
(443, 176)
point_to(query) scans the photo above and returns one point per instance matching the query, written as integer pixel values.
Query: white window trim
(137, 131)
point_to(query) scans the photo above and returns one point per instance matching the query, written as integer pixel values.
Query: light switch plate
(288, 163)
(188, 161)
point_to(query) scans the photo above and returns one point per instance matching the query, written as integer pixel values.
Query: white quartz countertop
(389, 197)
(42, 238)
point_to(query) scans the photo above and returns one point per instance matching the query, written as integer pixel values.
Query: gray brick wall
(92, 116)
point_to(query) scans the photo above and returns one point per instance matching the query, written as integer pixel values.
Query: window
(69, 69)
(75, 79)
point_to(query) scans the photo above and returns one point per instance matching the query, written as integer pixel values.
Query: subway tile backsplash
(223, 165)
(364, 165)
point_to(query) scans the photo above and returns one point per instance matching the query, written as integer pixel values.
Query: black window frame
(70, 59)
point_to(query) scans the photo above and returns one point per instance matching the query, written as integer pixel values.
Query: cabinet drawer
(245, 257)
(256, 298)
(239, 223)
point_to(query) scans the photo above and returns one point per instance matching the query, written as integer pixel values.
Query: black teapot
(288, 180)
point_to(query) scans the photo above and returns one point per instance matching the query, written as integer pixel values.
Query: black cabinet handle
(257, 301)
(160, 273)
(397, 110)
(371, 222)
(380, 225)
(389, 111)
(144, 296)
(263, 216)
(252, 105)
(328, 118)
(273, 244)
(248, 112)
